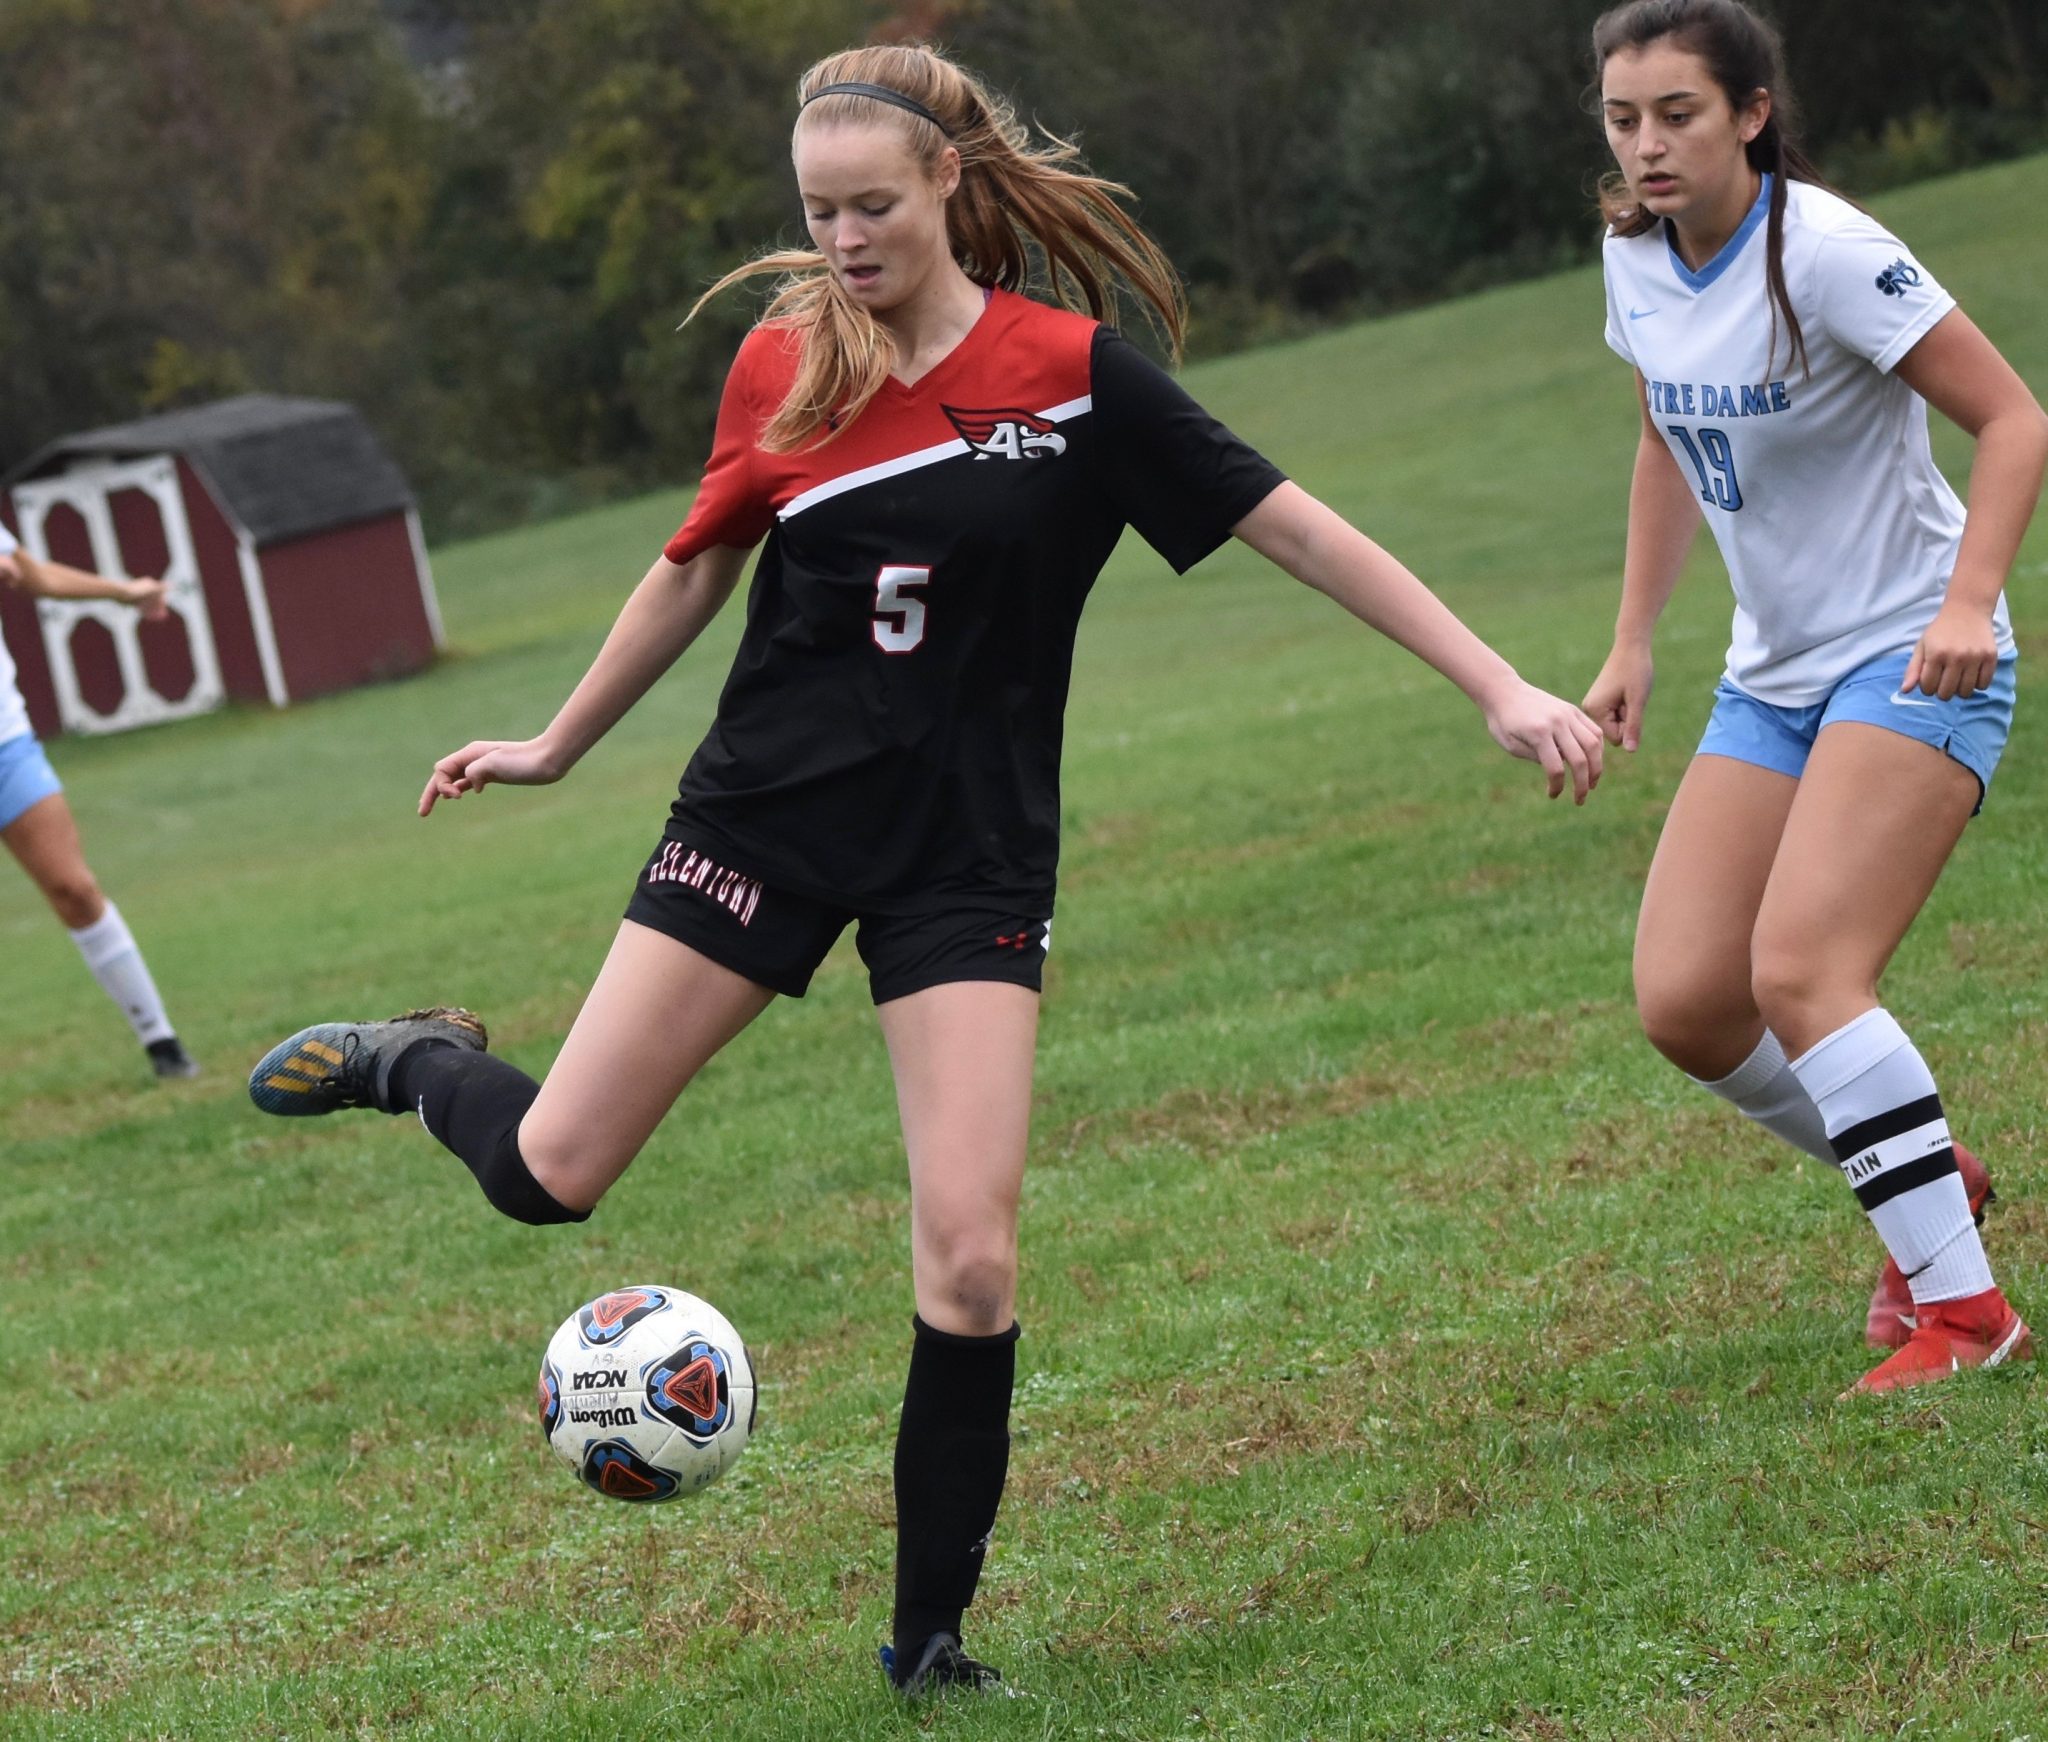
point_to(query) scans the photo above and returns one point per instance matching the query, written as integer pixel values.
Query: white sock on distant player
(1891, 1137)
(110, 951)
(1766, 1087)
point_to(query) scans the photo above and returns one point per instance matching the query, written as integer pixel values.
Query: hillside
(1408, 1352)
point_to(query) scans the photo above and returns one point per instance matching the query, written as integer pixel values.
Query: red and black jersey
(889, 737)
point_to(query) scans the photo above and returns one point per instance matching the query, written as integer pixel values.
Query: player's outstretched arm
(1959, 372)
(1663, 520)
(1322, 549)
(667, 611)
(48, 580)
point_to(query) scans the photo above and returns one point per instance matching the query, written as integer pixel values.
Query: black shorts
(777, 939)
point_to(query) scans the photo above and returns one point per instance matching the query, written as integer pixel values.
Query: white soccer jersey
(1838, 530)
(13, 710)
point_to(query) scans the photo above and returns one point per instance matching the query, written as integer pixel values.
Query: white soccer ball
(647, 1393)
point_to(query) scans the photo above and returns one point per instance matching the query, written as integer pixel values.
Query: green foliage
(177, 375)
(1409, 1353)
(484, 220)
(202, 195)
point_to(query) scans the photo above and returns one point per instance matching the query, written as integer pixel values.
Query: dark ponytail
(1743, 55)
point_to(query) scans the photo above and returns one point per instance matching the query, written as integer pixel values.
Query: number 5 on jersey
(899, 616)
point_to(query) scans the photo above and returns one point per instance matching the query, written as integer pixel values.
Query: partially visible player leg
(962, 1055)
(1692, 974)
(656, 1016)
(1875, 819)
(45, 839)
(1692, 967)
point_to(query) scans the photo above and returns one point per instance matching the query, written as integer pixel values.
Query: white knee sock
(1766, 1088)
(1891, 1136)
(110, 952)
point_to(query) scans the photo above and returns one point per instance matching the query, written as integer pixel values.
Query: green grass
(1408, 1353)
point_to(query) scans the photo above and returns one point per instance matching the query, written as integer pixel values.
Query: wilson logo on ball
(609, 1317)
(692, 1389)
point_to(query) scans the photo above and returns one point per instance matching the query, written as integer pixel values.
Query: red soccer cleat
(1980, 1330)
(1891, 1307)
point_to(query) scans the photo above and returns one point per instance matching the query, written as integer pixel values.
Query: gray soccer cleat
(348, 1064)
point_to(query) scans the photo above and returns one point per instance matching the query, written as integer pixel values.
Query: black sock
(472, 1103)
(952, 1453)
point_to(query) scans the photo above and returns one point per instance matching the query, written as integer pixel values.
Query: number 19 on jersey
(1714, 460)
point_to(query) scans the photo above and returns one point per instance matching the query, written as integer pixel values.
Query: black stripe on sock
(1906, 1178)
(1889, 1123)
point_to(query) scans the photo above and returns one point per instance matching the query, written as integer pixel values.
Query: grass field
(1408, 1352)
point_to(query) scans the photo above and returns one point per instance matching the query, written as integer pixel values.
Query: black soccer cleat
(168, 1058)
(940, 1667)
(348, 1064)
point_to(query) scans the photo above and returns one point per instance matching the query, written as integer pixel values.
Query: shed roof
(281, 467)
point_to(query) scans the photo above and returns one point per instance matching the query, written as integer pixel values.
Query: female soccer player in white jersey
(940, 465)
(40, 831)
(1786, 348)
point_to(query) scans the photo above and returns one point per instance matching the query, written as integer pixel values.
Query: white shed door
(87, 489)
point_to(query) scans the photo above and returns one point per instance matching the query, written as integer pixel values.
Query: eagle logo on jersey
(1899, 277)
(1007, 434)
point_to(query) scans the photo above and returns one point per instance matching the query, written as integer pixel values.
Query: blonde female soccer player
(940, 464)
(1786, 348)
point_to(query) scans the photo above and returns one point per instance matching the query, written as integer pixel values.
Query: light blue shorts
(26, 777)
(1971, 729)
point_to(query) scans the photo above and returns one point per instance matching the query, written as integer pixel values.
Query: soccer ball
(647, 1393)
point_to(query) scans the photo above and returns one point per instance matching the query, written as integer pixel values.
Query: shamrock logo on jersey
(1899, 277)
(1007, 434)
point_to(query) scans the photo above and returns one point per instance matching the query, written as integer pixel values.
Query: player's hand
(150, 596)
(1621, 695)
(476, 766)
(1957, 656)
(1549, 731)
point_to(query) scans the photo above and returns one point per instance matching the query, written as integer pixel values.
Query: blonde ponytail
(1013, 196)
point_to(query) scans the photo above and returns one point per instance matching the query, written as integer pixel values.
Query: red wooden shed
(290, 541)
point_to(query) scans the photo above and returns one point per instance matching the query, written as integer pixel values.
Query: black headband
(881, 94)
